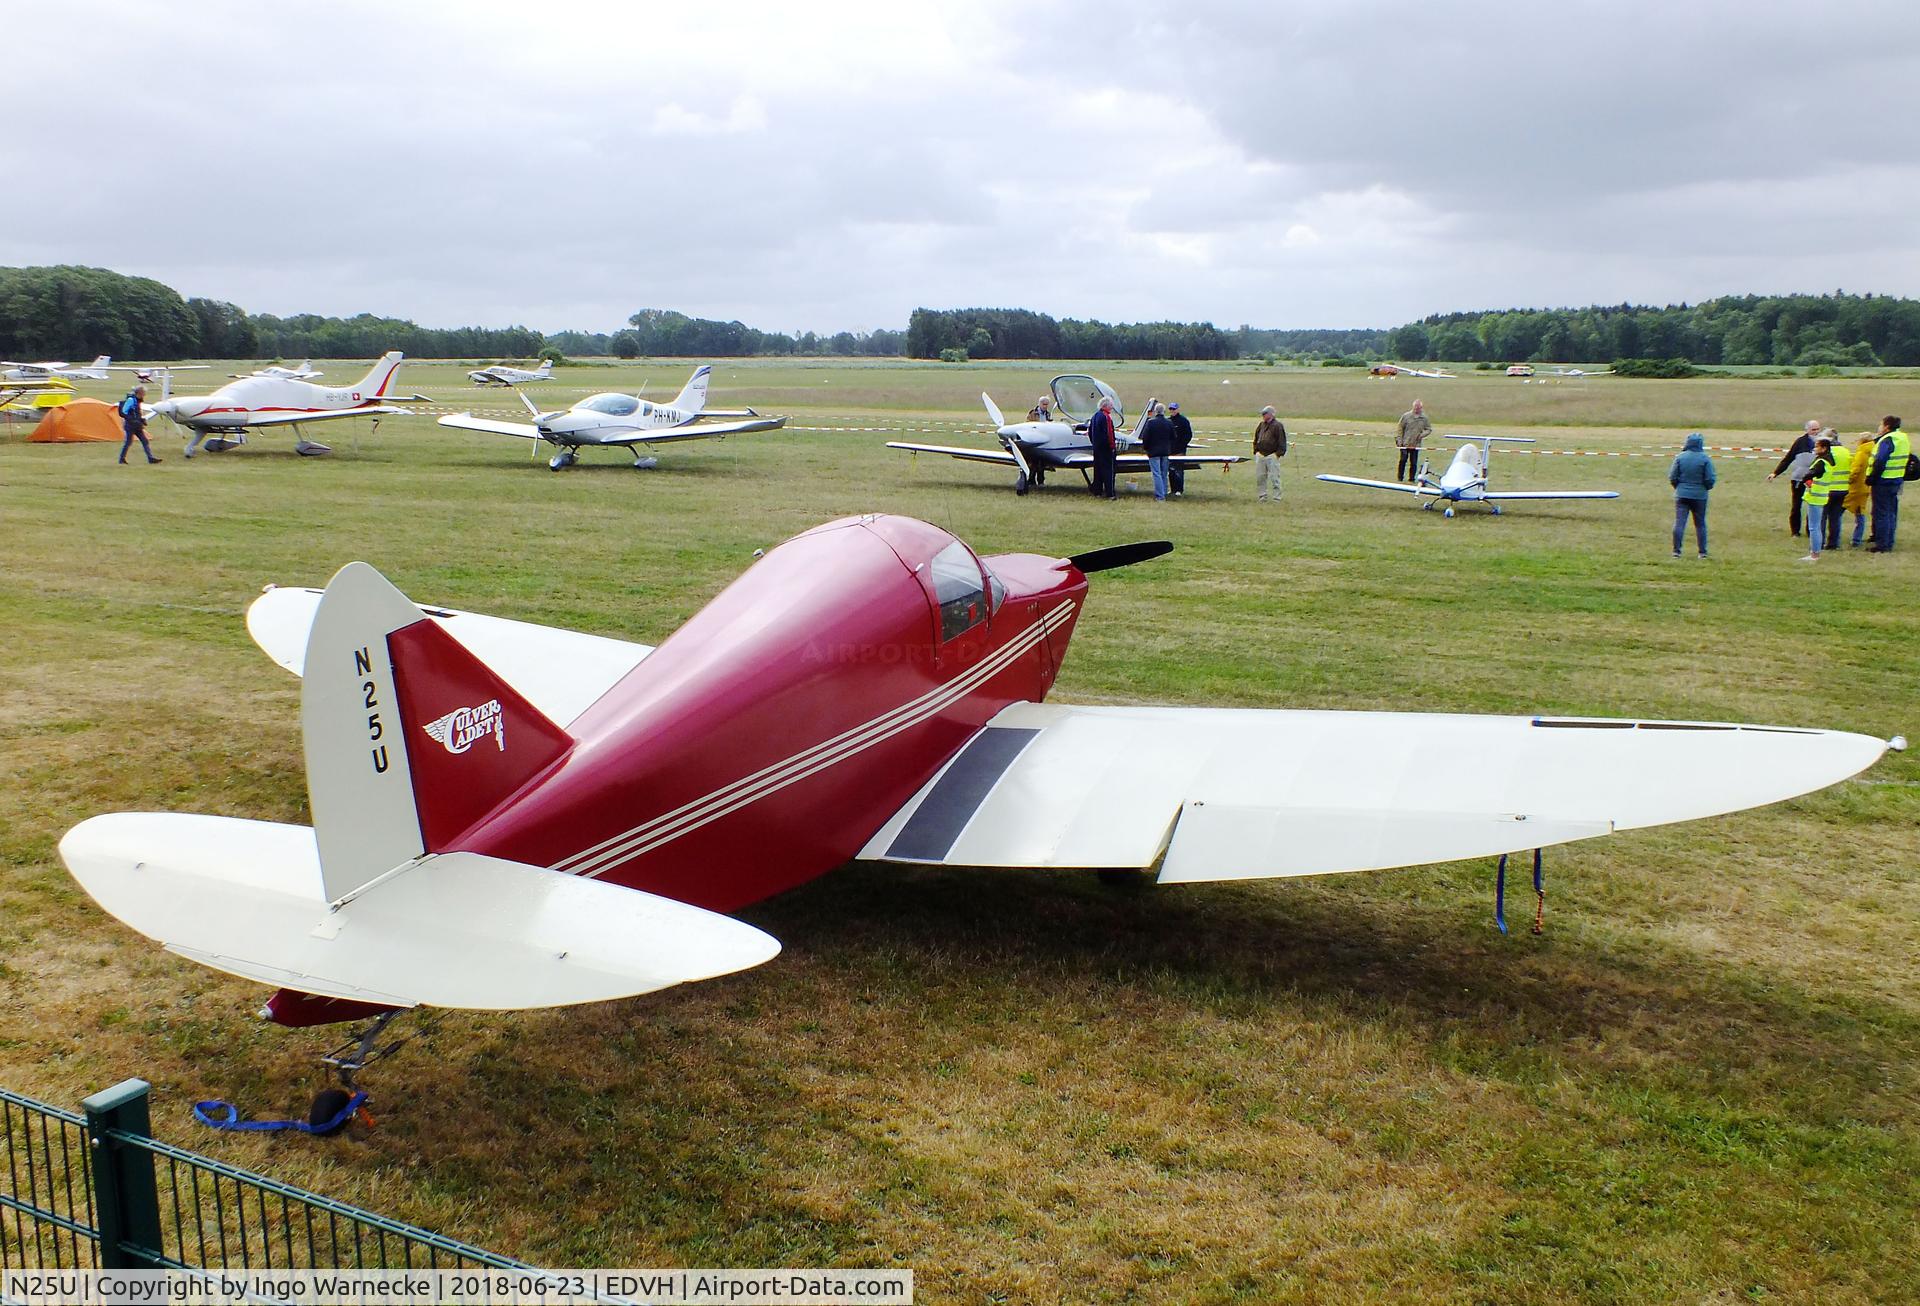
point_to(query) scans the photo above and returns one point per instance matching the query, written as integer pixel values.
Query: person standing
(1891, 454)
(1269, 447)
(134, 423)
(1100, 436)
(1858, 496)
(1156, 437)
(1182, 441)
(1042, 411)
(1794, 462)
(1692, 478)
(1826, 477)
(1414, 428)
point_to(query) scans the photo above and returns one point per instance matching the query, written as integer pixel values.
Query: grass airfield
(1702, 1082)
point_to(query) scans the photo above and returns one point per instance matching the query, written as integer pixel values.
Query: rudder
(409, 737)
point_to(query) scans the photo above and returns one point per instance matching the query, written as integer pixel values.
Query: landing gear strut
(347, 1060)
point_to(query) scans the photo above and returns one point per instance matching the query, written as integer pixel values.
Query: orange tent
(72, 423)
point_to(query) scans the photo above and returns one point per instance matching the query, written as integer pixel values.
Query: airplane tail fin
(374, 384)
(993, 410)
(102, 361)
(693, 396)
(545, 370)
(410, 738)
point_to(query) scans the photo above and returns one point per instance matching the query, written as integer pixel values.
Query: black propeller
(1120, 555)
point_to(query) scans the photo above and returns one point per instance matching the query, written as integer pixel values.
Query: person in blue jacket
(1692, 477)
(134, 423)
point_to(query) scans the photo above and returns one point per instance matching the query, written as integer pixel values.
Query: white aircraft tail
(411, 740)
(693, 396)
(543, 372)
(993, 410)
(374, 384)
(103, 360)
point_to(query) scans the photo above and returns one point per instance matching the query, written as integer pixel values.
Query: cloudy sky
(833, 166)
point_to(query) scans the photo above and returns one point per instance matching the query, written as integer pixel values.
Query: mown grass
(1698, 1084)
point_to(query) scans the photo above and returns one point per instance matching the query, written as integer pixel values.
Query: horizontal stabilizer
(453, 930)
(521, 653)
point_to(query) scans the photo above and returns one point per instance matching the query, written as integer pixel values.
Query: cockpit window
(996, 588)
(611, 405)
(957, 589)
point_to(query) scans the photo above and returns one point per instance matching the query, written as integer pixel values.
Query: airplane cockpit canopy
(613, 405)
(1078, 397)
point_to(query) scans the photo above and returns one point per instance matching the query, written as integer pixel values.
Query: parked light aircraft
(97, 370)
(1034, 447)
(1387, 371)
(301, 371)
(620, 421)
(1465, 480)
(224, 417)
(507, 816)
(501, 374)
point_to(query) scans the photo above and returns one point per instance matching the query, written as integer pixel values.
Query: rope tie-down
(215, 1114)
(1539, 892)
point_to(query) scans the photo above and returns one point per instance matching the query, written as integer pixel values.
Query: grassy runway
(1702, 1083)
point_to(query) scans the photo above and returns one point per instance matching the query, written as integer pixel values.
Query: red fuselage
(766, 740)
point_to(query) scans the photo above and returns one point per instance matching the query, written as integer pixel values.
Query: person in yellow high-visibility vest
(1826, 477)
(1891, 454)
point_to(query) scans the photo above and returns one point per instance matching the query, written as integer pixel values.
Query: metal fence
(98, 1190)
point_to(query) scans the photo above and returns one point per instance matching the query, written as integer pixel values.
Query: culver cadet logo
(461, 728)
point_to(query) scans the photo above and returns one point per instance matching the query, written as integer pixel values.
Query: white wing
(561, 672)
(1215, 794)
(1551, 494)
(468, 422)
(291, 419)
(1402, 487)
(695, 431)
(1000, 456)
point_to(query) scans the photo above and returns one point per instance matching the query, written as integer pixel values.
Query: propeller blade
(1120, 555)
(530, 406)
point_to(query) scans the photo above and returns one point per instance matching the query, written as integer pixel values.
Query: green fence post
(125, 1192)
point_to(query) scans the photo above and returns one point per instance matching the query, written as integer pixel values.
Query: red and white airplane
(511, 816)
(252, 403)
(1387, 371)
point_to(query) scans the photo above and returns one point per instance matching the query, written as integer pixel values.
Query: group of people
(1165, 435)
(1828, 480)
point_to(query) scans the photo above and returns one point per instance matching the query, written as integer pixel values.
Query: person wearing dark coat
(1795, 463)
(133, 422)
(1182, 441)
(1100, 436)
(1157, 437)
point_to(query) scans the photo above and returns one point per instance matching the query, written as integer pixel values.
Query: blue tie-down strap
(216, 1114)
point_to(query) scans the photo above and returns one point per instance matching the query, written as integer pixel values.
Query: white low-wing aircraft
(1389, 370)
(1036, 447)
(1465, 480)
(301, 371)
(622, 421)
(501, 374)
(224, 417)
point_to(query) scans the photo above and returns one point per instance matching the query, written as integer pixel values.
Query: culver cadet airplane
(252, 403)
(1036, 447)
(508, 816)
(1387, 371)
(1465, 480)
(620, 421)
(501, 374)
(301, 371)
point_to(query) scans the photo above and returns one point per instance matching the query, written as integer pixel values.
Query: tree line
(1022, 333)
(1749, 330)
(664, 333)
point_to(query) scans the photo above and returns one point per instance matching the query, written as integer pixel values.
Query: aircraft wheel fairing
(1449, 512)
(1020, 486)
